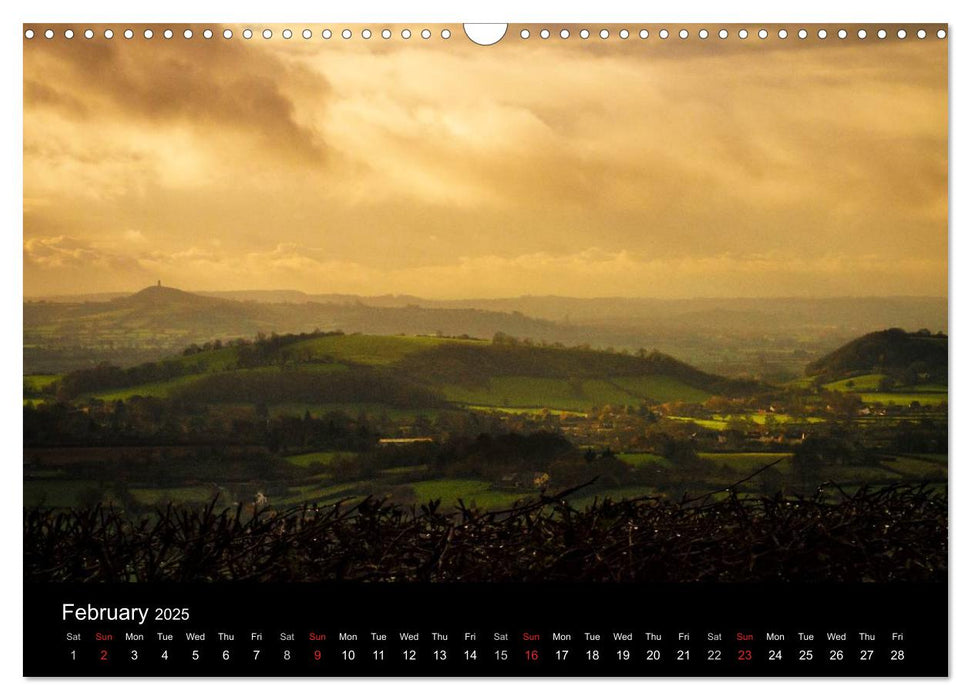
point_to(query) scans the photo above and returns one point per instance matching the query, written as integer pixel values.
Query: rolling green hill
(403, 371)
(908, 358)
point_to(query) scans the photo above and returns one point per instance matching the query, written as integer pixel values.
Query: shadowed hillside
(911, 357)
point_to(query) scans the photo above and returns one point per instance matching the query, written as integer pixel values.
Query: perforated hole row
(583, 34)
(247, 34)
(726, 34)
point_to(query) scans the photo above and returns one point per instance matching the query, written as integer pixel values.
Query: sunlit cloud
(460, 172)
(611, 273)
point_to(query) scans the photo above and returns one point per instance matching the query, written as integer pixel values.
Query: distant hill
(770, 339)
(911, 358)
(852, 315)
(159, 297)
(63, 335)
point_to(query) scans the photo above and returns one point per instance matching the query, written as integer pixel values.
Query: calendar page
(361, 350)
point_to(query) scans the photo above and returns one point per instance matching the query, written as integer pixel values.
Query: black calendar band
(541, 630)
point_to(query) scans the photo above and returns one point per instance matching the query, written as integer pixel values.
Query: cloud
(460, 171)
(189, 84)
(64, 255)
(609, 273)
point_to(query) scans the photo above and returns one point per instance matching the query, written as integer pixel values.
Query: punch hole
(643, 34)
(783, 34)
(267, 34)
(207, 34)
(425, 34)
(941, 34)
(287, 34)
(187, 34)
(68, 33)
(29, 34)
(129, 34)
(148, 34)
(247, 33)
(88, 34)
(564, 33)
(683, 34)
(366, 34)
(604, 33)
(921, 34)
(485, 34)
(544, 34)
(663, 33)
(524, 34)
(743, 34)
(385, 33)
(803, 34)
(405, 33)
(346, 34)
(703, 33)
(763, 34)
(584, 33)
(228, 33)
(821, 33)
(306, 34)
(841, 33)
(902, 34)
(446, 33)
(49, 34)
(882, 34)
(326, 34)
(861, 33)
(624, 33)
(722, 33)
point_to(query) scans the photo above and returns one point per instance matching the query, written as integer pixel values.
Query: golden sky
(658, 168)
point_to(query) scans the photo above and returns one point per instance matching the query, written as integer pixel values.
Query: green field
(367, 349)
(449, 491)
(919, 466)
(210, 360)
(181, 494)
(310, 458)
(867, 386)
(721, 422)
(748, 462)
(865, 382)
(645, 459)
(375, 410)
(661, 388)
(322, 494)
(521, 392)
(761, 418)
(525, 410)
(399, 471)
(905, 398)
(909, 467)
(160, 389)
(471, 491)
(565, 395)
(166, 387)
(36, 383)
(60, 493)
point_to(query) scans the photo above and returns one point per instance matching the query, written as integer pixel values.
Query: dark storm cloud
(217, 84)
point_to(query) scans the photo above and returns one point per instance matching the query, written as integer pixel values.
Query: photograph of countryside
(425, 311)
